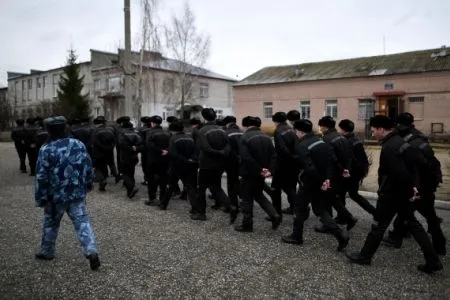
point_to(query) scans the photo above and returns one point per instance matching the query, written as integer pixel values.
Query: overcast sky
(247, 35)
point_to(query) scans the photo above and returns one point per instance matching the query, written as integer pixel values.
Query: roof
(431, 60)
(16, 75)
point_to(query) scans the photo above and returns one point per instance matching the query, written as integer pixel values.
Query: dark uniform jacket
(83, 133)
(30, 135)
(214, 147)
(183, 153)
(128, 139)
(256, 152)
(360, 162)
(41, 137)
(157, 140)
(314, 159)
(103, 141)
(341, 150)
(18, 136)
(234, 137)
(285, 140)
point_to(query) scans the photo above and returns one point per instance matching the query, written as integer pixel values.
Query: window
(416, 107)
(305, 110)
(204, 90)
(168, 85)
(114, 84)
(30, 84)
(219, 114)
(267, 110)
(366, 109)
(97, 86)
(331, 108)
(55, 85)
(38, 82)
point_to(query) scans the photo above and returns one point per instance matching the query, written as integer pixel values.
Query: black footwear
(290, 239)
(322, 229)
(244, 228)
(389, 241)
(233, 215)
(132, 193)
(102, 186)
(288, 211)
(32, 174)
(276, 221)
(118, 178)
(216, 206)
(198, 217)
(43, 256)
(94, 261)
(150, 203)
(340, 220)
(183, 196)
(358, 259)
(23, 171)
(430, 269)
(351, 223)
(162, 207)
(191, 211)
(343, 241)
(269, 219)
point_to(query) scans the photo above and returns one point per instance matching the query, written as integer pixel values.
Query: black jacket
(83, 133)
(128, 139)
(103, 141)
(339, 144)
(397, 171)
(360, 162)
(41, 137)
(256, 152)
(234, 136)
(18, 135)
(314, 159)
(195, 132)
(285, 141)
(183, 153)
(157, 139)
(214, 147)
(30, 135)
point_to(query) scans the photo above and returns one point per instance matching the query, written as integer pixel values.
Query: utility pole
(127, 68)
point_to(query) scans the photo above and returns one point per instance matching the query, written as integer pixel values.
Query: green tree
(71, 103)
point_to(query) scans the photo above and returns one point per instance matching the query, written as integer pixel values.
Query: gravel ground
(150, 254)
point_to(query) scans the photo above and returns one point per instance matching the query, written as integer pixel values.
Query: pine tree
(71, 103)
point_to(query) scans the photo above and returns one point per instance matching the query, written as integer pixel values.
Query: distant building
(5, 111)
(31, 94)
(417, 82)
(160, 89)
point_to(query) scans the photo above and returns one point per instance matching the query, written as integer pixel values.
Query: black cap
(208, 114)
(381, 121)
(251, 121)
(20, 122)
(303, 125)
(405, 118)
(293, 115)
(145, 119)
(75, 121)
(279, 117)
(171, 119)
(176, 126)
(100, 120)
(127, 125)
(228, 120)
(156, 119)
(86, 119)
(347, 125)
(123, 119)
(195, 121)
(30, 121)
(57, 120)
(327, 121)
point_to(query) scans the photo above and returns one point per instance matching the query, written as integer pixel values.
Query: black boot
(292, 239)
(351, 223)
(132, 193)
(358, 259)
(41, 256)
(342, 238)
(390, 241)
(276, 221)
(94, 261)
(198, 217)
(430, 268)
(288, 211)
(102, 186)
(245, 227)
(233, 214)
(322, 229)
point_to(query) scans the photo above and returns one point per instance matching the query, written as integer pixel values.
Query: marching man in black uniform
(397, 193)
(313, 157)
(258, 161)
(129, 142)
(18, 136)
(103, 143)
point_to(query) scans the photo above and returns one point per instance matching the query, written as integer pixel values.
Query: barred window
(331, 108)
(366, 109)
(305, 109)
(267, 110)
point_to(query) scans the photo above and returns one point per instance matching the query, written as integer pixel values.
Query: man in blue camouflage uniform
(64, 176)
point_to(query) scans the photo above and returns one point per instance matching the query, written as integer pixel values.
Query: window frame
(365, 102)
(267, 105)
(204, 86)
(304, 104)
(331, 103)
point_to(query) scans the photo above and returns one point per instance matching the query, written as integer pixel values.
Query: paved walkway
(150, 254)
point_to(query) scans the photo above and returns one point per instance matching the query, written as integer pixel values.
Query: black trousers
(119, 165)
(32, 158)
(311, 193)
(188, 177)
(425, 206)
(335, 198)
(111, 163)
(101, 169)
(173, 182)
(233, 183)
(387, 208)
(128, 170)
(284, 180)
(144, 166)
(158, 176)
(351, 185)
(252, 190)
(210, 179)
(22, 152)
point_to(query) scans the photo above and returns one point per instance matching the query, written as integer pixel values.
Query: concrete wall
(434, 87)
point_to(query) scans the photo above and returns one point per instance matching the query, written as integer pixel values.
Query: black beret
(20, 122)
(405, 118)
(195, 121)
(303, 125)
(123, 119)
(293, 115)
(171, 119)
(279, 117)
(229, 119)
(208, 114)
(176, 126)
(347, 125)
(86, 119)
(156, 119)
(30, 121)
(54, 121)
(74, 121)
(381, 121)
(127, 125)
(100, 120)
(145, 119)
(251, 121)
(327, 121)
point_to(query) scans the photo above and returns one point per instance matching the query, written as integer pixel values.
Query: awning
(389, 93)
